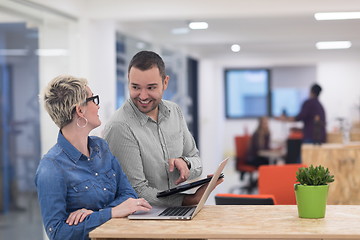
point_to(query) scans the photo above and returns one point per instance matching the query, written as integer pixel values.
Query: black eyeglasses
(95, 99)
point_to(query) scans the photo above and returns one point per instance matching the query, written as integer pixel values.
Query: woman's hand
(130, 206)
(78, 216)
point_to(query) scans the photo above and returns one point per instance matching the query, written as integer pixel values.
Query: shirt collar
(74, 154)
(164, 112)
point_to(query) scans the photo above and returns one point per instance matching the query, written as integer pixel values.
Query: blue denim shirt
(67, 180)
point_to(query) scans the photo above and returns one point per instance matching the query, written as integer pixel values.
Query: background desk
(275, 156)
(343, 162)
(241, 222)
(337, 137)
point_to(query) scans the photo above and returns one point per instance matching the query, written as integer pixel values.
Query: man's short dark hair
(146, 60)
(316, 89)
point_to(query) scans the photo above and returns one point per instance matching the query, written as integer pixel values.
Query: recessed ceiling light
(178, 31)
(198, 25)
(235, 48)
(333, 45)
(51, 52)
(140, 45)
(13, 52)
(337, 15)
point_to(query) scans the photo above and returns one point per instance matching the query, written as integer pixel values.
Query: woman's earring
(78, 120)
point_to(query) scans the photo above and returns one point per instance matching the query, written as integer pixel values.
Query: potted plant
(312, 190)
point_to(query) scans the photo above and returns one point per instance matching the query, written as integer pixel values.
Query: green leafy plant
(314, 176)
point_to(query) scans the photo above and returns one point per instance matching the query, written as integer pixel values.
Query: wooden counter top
(337, 137)
(343, 162)
(241, 222)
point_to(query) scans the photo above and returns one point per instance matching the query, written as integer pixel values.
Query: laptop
(180, 212)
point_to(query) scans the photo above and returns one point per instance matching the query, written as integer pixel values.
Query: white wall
(91, 54)
(102, 63)
(211, 119)
(341, 94)
(52, 36)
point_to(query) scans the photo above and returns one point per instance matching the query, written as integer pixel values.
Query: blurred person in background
(260, 140)
(313, 116)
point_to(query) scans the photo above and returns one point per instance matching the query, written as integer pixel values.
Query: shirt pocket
(80, 193)
(83, 186)
(111, 180)
(174, 143)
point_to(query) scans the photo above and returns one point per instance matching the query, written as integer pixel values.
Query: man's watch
(186, 160)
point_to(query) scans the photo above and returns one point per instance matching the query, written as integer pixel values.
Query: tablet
(185, 187)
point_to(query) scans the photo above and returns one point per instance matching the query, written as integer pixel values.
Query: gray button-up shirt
(144, 146)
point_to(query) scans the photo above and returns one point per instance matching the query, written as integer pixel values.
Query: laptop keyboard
(176, 211)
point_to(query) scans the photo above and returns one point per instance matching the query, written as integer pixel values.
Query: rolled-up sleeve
(126, 148)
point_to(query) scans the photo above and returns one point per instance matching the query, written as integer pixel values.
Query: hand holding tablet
(185, 187)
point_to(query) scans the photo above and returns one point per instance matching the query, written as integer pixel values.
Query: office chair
(242, 148)
(279, 181)
(293, 146)
(244, 199)
(293, 151)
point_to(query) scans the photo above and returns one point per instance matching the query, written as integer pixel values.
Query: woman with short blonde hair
(79, 181)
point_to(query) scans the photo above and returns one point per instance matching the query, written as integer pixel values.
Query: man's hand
(193, 199)
(285, 118)
(181, 165)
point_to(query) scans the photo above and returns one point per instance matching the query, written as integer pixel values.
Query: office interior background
(95, 39)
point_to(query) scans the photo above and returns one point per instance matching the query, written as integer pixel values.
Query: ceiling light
(198, 25)
(337, 15)
(333, 45)
(235, 48)
(140, 45)
(51, 52)
(13, 52)
(178, 31)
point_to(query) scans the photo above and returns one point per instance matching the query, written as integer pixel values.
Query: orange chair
(295, 133)
(242, 148)
(279, 181)
(244, 199)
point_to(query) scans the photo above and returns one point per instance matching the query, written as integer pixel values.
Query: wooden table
(355, 135)
(343, 162)
(240, 222)
(275, 156)
(337, 137)
(334, 137)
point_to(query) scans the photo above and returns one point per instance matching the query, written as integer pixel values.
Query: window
(287, 100)
(247, 93)
(290, 87)
(250, 94)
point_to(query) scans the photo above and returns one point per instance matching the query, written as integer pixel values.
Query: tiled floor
(27, 224)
